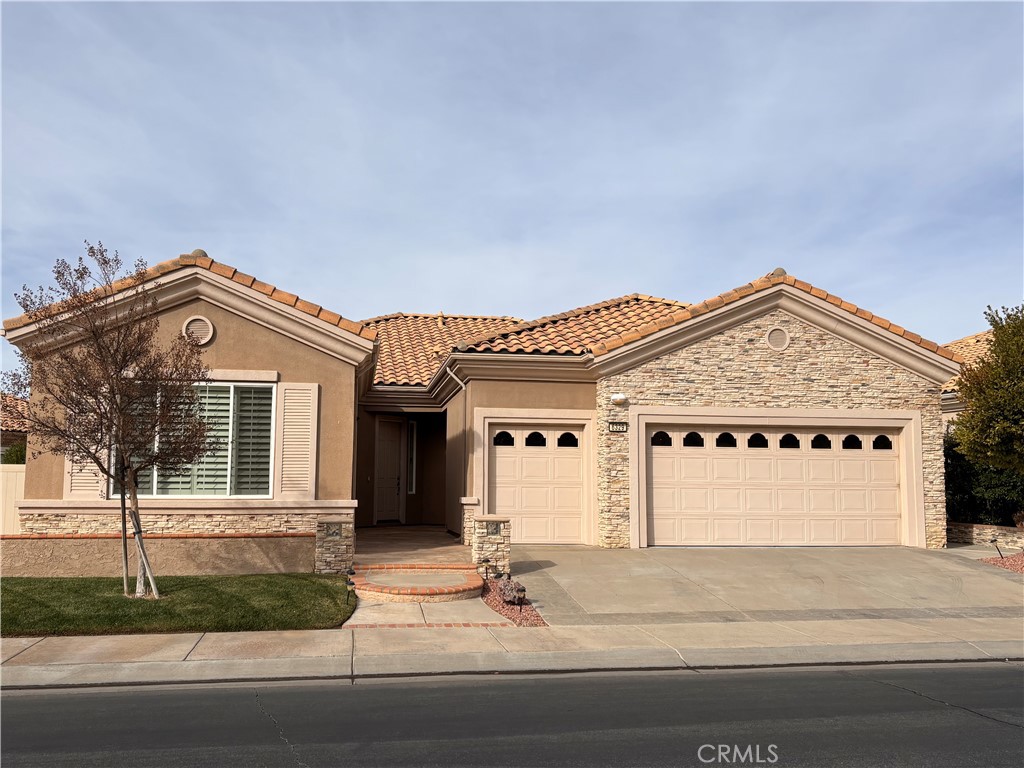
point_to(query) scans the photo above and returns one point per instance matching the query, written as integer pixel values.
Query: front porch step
(417, 582)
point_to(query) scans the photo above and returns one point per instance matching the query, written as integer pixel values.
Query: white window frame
(231, 427)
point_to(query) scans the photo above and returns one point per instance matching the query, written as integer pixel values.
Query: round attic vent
(777, 338)
(199, 329)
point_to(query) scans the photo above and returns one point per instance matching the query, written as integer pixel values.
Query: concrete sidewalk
(380, 652)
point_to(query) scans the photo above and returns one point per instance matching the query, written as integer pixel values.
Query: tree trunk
(145, 570)
(124, 533)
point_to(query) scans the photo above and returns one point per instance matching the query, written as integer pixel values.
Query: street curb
(353, 678)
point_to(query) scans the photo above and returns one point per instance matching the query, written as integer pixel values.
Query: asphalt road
(935, 716)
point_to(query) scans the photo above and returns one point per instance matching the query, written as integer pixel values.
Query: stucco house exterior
(773, 414)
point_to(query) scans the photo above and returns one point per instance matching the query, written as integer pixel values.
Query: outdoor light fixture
(486, 563)
(994, 541)
(351, 588)
(521, 596)
(620, 398)
(350, 572)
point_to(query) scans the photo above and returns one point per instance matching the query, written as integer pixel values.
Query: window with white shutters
(250, 451)
(240, 418)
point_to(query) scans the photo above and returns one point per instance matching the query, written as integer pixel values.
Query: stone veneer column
(470, 509)
(492, 538)
(335, 543)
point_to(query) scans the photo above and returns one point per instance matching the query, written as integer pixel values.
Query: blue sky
(523, 159)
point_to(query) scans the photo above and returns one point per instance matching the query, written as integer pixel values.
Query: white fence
(12, 478)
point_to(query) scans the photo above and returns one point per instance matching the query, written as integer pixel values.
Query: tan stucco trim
(484, 418)
(817, 312)
(227, 375)
(912, 532)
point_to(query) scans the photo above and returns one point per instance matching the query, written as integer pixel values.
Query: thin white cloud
(524, 159)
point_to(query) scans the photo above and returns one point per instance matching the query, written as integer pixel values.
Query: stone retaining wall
(968, 533)
(171, 555)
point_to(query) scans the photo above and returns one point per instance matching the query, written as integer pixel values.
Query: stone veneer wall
(77, 522)
(736, 369)
(335, 543)
(496, 547)
(968, 533)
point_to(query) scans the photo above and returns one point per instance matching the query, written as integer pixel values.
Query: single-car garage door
(536, 476)
(777, 486)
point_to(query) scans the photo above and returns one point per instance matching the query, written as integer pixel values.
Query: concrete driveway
(590, 586)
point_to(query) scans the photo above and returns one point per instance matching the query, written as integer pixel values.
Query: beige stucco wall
(241, 344)
(365, 459)
(169, 556)
(455, 462)
(737, 369)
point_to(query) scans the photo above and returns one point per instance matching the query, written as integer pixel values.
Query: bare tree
(104, 390)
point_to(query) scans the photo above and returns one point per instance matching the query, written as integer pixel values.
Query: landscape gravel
(1013, 563)
(527, 617)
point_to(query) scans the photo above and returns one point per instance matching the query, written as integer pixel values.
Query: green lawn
(97, 606)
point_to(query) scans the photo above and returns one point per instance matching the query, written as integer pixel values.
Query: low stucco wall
(969, 533)
(171, 555)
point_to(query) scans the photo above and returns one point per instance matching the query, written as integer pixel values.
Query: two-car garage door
(778, 486)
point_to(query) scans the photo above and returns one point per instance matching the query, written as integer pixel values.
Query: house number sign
(618, 426)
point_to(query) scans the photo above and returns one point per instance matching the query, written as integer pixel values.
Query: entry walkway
(408, 544)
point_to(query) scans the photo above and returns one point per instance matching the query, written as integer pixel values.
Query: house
(13, 429)
(773, 414)
(971, 349)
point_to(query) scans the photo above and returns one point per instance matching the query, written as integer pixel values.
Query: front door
(388, 494)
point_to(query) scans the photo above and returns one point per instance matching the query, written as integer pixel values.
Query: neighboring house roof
(412, 347)
(604, 327)
(198, 258)
(11, 411)
(971, 349)
(579, 331)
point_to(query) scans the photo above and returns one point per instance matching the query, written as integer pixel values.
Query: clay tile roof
(11, 413)
(412, 347)
(777, 277)
(199, 259)
(582, 330)
(971, 350)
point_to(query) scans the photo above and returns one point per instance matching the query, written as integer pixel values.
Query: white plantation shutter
(251, 436)
(297, 419)
(209, 475)
(83, 481)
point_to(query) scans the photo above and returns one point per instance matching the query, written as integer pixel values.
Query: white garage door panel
(540, 486)
(755, 496)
